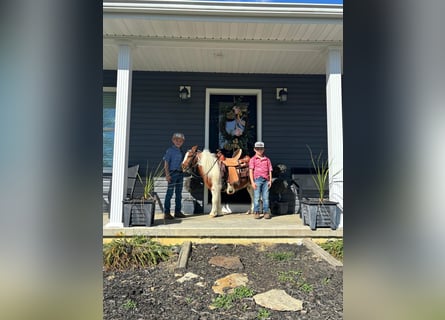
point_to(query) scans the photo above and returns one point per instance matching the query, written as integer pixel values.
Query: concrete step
(231, 226)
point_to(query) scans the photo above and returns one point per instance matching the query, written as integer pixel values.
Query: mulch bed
(155, 293)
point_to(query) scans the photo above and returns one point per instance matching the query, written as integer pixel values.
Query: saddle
(234, 168)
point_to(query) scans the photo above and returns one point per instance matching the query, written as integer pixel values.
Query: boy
(173, 174)
(260, 173)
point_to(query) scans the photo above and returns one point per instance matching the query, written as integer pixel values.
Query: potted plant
(320, 212)
(141, 211)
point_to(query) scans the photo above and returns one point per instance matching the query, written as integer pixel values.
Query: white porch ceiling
(196, 36)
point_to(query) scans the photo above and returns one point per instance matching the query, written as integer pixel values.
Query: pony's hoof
(213, 215)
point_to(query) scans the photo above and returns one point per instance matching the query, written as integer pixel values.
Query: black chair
(131, 182)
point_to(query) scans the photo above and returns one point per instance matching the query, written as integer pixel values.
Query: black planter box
(139, 213)
(316, 214)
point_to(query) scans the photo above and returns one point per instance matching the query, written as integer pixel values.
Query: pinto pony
(207, 166)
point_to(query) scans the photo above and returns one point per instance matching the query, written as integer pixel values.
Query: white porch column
(121, 136)
(334, 125)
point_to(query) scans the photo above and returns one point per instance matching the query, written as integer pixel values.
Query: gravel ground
(155, 293)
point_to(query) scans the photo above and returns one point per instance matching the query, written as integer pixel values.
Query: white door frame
(259, 129)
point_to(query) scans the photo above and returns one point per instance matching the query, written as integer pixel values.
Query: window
(109, 113)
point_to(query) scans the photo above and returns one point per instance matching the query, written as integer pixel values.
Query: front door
(232, 122)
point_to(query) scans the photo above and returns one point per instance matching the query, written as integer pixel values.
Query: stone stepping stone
(227, 262)
(278, 300)
(231, 281)
(187, 277)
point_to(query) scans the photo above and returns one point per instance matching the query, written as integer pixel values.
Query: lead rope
(216, 160)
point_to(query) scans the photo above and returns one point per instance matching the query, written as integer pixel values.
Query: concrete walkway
(231, 226)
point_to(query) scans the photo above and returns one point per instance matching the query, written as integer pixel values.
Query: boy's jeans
(262, 188)
(176, 186)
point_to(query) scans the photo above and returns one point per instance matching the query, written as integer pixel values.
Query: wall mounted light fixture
(185, 92)
(282, 94)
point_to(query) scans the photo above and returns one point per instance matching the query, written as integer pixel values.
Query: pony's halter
(194, 164)
(190, 159)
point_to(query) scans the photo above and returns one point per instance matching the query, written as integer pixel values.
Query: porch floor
(231, 226)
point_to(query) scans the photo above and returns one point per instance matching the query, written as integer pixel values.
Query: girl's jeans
(176, 186)
(262, 188)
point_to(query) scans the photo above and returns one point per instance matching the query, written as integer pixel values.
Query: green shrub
(280, 256)
(129, 304)
(289, 276)
(295, 278)
(334, 248)
(226, 300)
(133, 253)
(223, 301)
(306, 287)
(263, 314)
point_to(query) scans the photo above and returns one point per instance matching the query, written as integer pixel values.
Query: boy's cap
(259, 144)
(178, 135)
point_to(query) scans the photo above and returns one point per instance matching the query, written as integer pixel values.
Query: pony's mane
(208, 163)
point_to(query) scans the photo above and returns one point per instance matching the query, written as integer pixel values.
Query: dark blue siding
(287, 128)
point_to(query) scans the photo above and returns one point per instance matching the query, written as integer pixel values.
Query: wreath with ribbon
(238, 137)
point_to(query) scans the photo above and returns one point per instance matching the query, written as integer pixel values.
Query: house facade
(224, 54)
